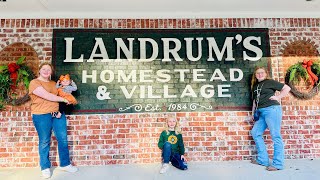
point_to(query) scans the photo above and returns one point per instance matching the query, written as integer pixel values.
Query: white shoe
(164, 168)
(46, 173)
(69, 168)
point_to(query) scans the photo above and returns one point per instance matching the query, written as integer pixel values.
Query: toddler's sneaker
(69, 168)
(164, 168)
(46, 173)
(185, 165)
(54, 114)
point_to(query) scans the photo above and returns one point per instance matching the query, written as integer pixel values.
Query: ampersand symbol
(102, 93)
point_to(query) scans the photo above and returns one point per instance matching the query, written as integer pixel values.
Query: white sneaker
(69, 168)
(164, 168)
(46, 173)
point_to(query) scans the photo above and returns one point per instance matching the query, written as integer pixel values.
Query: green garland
(296, 73)
(10, 76)
(316, 69)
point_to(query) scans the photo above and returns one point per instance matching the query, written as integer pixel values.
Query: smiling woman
(267, 104)
(43, 93)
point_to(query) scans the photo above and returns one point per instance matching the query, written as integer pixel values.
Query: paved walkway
(306, 169)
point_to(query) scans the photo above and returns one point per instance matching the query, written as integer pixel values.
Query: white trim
(158, 15)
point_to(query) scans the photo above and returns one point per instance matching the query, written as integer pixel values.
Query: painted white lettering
(232, 74)
(166, 92)
(196, 74)
(142, 92)
(128, 51)
(126, 93)
(93, 76)
(163, 75)
(188, 91)
(212, 44)
(103, 76)
(219, 77)
(145, 74)
(222, 89)
(189, 49)
(181, 73)
(173, 52)
(143, 49)
(122, 77)
(207, 91)
(103, 51)
(151, 95)
(250, 47)
(69, 51)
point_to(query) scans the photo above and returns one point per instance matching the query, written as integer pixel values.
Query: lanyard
(258, 94)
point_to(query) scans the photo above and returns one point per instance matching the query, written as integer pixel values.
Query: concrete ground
(306, 169)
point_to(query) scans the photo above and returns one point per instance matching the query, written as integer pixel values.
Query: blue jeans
(44, 124)
(175, 158)
(270, 117)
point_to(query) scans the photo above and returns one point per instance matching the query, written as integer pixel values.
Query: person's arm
(253, 106)
(253, 109)
(284, 91)
(181, 147)
(71, 87)
(161, 141)
(41, 92)
(58, 84)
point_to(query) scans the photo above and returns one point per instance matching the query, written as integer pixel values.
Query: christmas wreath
(307, 71)
(10, 76)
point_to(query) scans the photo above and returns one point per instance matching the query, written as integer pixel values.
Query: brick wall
(132, 138)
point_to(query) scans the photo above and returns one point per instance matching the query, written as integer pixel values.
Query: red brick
(129, 132)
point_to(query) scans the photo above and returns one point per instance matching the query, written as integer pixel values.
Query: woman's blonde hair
(46, 63)
(254, 80)
(177, 127)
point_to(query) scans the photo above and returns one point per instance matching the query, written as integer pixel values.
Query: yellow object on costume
(172, 139)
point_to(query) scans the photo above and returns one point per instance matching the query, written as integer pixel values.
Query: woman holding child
(44, 102)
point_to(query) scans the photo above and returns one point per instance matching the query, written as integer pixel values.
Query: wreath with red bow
(308, 71)
(10, 76)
